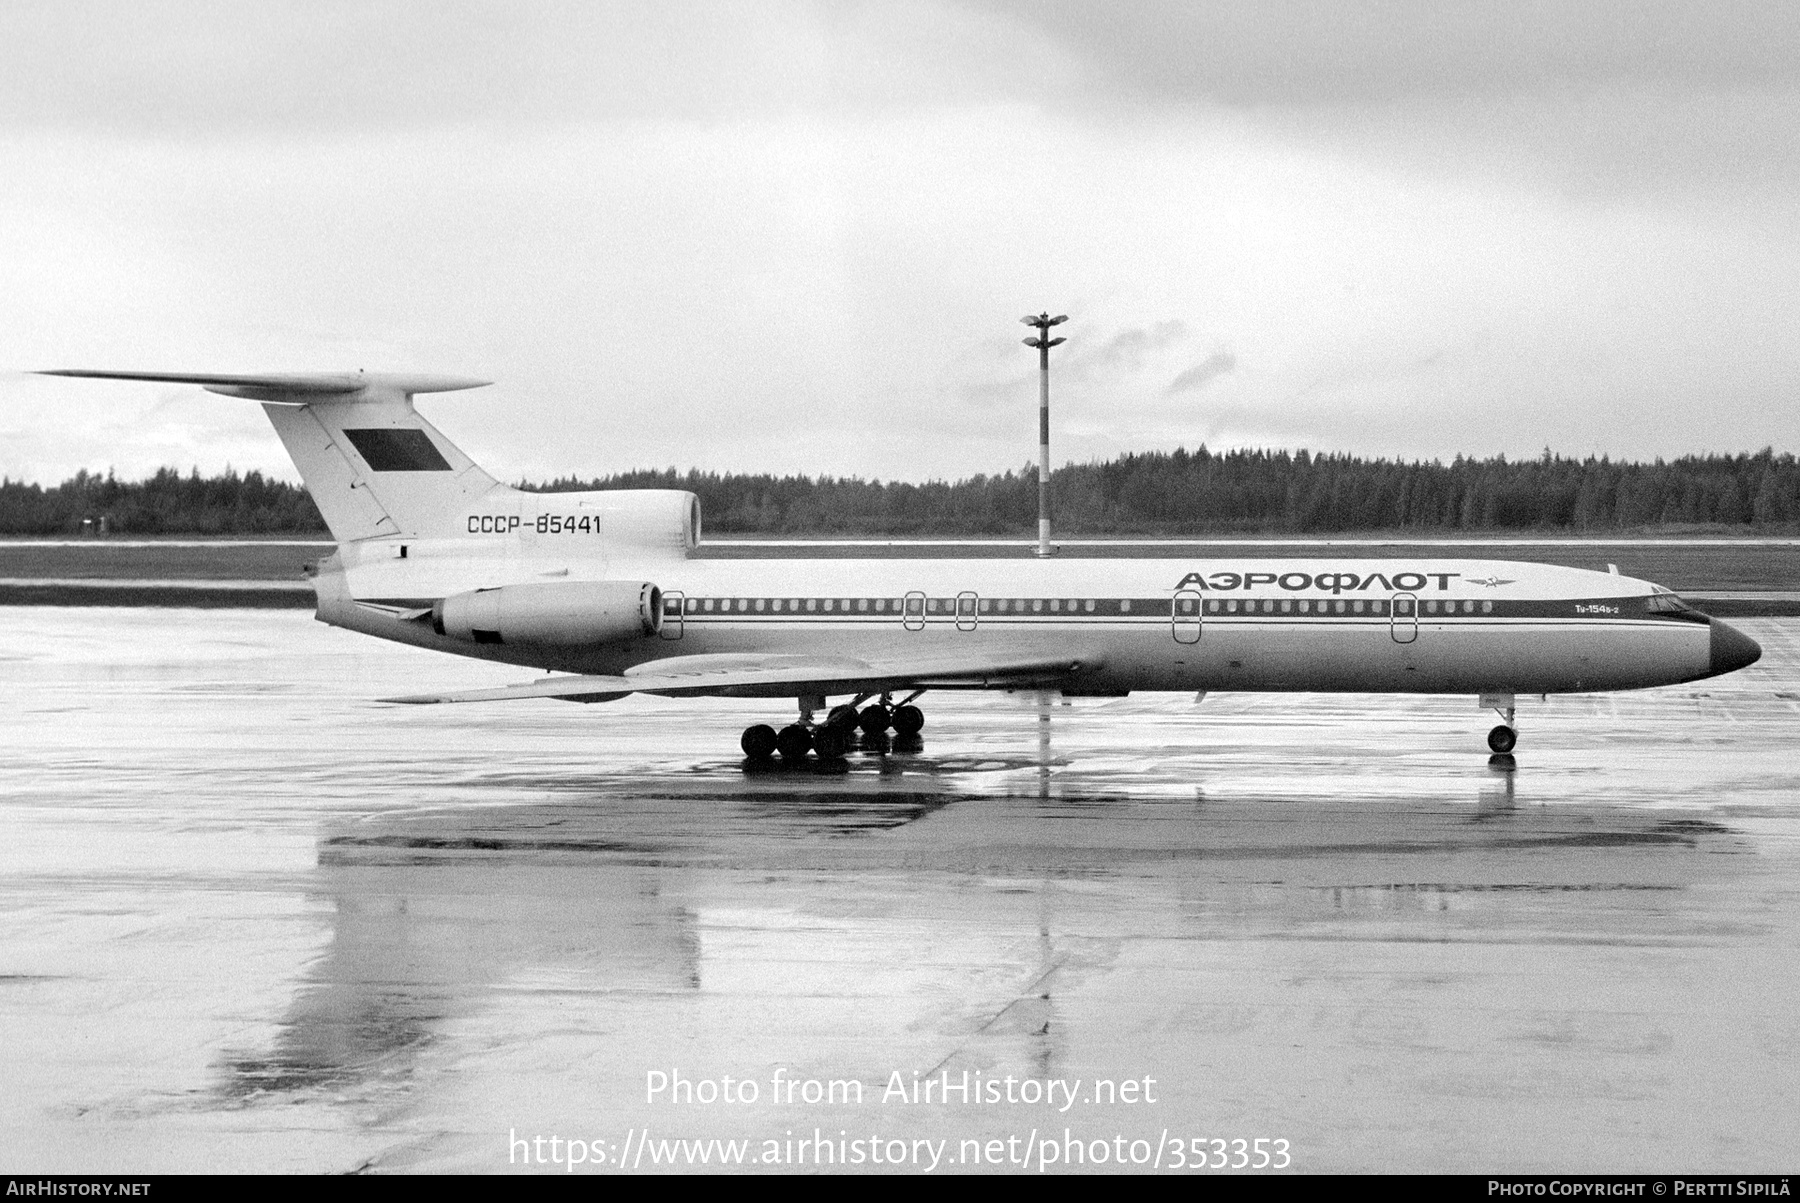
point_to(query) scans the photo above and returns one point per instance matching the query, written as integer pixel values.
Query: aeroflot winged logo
(1333, 582)
(1492, 582)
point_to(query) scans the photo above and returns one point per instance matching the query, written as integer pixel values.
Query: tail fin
(373, 465)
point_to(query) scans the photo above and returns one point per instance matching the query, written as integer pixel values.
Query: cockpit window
(1670, 606)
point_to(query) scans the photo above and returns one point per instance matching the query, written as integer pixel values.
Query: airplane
(601, 589)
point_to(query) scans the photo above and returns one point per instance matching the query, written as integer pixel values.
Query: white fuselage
(1378, 625)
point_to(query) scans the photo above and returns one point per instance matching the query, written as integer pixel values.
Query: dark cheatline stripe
(1138, 609)
(1154, 609)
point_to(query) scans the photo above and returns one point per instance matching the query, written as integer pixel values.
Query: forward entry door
(1184, 616)
(1403, 618)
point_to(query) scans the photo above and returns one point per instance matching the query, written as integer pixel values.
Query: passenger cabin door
(912, 612)
(966, 605)
(1403, 618)
(1184, 616)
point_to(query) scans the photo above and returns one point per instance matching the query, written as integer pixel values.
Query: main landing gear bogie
(833, 738)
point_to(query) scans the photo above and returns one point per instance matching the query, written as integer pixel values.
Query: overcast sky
(799, 236)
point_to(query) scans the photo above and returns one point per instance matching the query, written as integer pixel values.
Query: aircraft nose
(1732, 649)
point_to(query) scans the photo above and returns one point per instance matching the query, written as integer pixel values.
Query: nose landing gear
(1502, 739)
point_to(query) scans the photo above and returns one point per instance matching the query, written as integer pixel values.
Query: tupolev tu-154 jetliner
(601, 589)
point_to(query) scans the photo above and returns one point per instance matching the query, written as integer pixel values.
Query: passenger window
(1357, 606)
(1090, 607)
(1487, 607)
(1287, 606)
(1124, 605)
(1306, 606)
(1340, 606)
(1055, 605)
(1037, 606)
(1431, 607)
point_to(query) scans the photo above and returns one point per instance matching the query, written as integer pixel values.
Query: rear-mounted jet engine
(560, 613)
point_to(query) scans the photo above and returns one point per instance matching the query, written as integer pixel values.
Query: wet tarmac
(253, 921)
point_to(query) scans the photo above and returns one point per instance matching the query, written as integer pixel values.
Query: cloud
(202, 68)
(1328, 52)
(1127, 349)
(1202, 373)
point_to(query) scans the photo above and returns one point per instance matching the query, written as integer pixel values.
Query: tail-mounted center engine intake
(562, 613)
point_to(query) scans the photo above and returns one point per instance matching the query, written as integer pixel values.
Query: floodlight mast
(1043, 342)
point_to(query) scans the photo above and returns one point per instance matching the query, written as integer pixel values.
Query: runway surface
(253, 921)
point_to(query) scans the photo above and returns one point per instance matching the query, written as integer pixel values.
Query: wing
(749, 676)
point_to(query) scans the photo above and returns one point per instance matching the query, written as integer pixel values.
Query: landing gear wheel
(842, 716)
(1501, 739)
(874, 719)
(908, 720)
(794, 742)
(831, 741)
(759, 742)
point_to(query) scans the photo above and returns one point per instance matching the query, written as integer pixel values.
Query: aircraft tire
(759, 742)
(794, 742)
(1502, 739)
(841, 716)
(908, 720)
(874, 719)
(831, 741)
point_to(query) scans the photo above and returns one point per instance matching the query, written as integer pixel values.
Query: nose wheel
(1502, 739)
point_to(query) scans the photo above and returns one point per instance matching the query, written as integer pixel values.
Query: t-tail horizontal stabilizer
(373, 465)
(299, 388)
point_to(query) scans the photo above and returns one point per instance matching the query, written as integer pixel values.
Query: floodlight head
(1032, 342)
(1057, 321)
(1030, 319)
(1055, 341)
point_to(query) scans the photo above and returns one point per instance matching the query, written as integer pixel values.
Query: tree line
(1151, 493)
